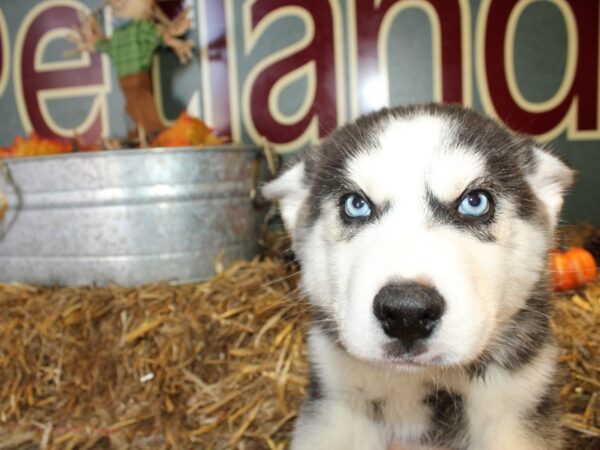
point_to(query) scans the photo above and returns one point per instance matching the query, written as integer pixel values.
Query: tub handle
(269, 156)
(5, 226)
(3, 205)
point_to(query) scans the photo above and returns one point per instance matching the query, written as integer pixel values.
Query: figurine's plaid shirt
(131, 46)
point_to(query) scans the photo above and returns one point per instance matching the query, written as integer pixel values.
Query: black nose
(408, 311)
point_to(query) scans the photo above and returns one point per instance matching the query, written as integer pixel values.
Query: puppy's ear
(290, 190)
(550, 180)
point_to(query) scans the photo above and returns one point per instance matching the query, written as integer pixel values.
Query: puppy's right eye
(475, 204)
(355, 206)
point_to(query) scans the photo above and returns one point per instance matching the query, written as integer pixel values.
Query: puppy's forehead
(414, 155)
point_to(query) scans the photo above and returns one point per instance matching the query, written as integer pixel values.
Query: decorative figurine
(140, 27)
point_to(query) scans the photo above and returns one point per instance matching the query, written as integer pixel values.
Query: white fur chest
(393, 400)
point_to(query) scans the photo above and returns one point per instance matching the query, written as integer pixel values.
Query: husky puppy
(422, 233)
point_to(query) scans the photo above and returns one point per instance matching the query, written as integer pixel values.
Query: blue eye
(474, 204)
(356, 206)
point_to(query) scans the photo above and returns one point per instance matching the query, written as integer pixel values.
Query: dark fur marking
(354, 225)
(449, 423)
(327, 325)
(544, 419)
(508, 156)
(478, 368)
(521, 339)
(447, 214)
(316, 394)
(326, 164)
(310, 408)
(548, 404)
(377, 409)
(315, 390)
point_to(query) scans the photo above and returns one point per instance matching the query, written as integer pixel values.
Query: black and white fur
(485, 377)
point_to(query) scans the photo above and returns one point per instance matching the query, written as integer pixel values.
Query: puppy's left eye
(475, 204)
(356, 206)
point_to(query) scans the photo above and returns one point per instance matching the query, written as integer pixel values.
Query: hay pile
(216, 365)
(211, 366)
(576, 321)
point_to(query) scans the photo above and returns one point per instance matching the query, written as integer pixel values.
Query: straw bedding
(215, 365)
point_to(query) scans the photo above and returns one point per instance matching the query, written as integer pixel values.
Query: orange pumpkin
(572, 268)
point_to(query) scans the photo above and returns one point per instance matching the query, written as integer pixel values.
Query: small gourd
(571, 268)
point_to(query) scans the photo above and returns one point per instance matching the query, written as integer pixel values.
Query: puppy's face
(420, 231)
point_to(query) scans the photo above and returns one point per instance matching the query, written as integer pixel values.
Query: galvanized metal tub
(128, 217)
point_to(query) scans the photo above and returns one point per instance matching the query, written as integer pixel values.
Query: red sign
(340, 52)
(37, 81)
